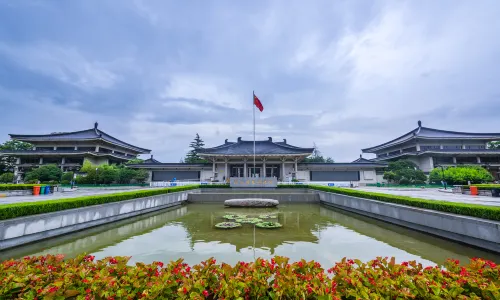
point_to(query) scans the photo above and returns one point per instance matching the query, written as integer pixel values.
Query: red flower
(39, 291)
(205, 293)
(85, 281)
(88, 291)
(272, 261)
(405, 263)
(53, 289)
(160, 264)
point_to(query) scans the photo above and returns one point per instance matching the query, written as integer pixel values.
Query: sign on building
(253, 182)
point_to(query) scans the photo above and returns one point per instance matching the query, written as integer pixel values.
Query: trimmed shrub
(473, 210)
(7, 177)
(10, 211)
(461, 175)
(483, 186)
(13, 187)
(293, 186)
(52, 277)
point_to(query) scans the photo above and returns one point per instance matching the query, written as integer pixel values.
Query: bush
(52, 277)
(483, 186)
(461, 175)
(14, 187)
(7, 178)
(473, 210)
(404, 172)
(10, 211)
(67, 177)
(44, 173)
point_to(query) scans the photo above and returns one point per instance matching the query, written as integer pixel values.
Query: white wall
(304, 175)
(367, 176)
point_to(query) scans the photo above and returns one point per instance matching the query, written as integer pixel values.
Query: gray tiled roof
(261, 148)
(60, 152)
(89, 134)
(442, 151)
(434, 134)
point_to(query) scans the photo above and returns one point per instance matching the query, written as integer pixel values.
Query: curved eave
(38, 153)
(37, 139)
(251, 155)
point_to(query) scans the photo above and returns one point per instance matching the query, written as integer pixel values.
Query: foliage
(7, 162)
(248, 220)
(461, 175)
(16, 187)
(53, 277)
(108, 174)
(493, 145)
(135, 161)
(44, 173)
(268, 225)
(317, 157)
(483, 186)
(227, 225)
(473, 210)
(404, 172)
(67, 176)
(7, 177)
(15, 210)
(233, 217)
(192, 156)
(268, 216)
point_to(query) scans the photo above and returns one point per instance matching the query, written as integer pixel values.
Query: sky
(344, 75)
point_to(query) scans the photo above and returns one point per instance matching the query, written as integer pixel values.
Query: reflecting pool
(309, 231)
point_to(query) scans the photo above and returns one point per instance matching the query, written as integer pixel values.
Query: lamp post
(442, 175)
(96, 175)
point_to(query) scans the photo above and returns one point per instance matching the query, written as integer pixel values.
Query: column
(225, 170)
(263, 167)
(296, 169)
(41, 160)
(213, 169)
(18, 161)
(454, 160)
(441, 147)
(63, 161)
(16, 174)
(431, 163)
(76, 148)
(55, 148)
(418, 147)
(478, 159)
(96, 148)
(245, 168)
(283, 170)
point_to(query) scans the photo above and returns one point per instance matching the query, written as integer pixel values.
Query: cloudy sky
(343, 74)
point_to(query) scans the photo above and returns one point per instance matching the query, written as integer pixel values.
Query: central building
(272, 159)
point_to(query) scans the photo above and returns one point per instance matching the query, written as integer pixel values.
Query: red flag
(257, 103)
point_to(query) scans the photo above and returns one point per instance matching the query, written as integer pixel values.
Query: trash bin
(473, 190)
(42, 190)
(495, 192)
(36, 190)
(47, 189)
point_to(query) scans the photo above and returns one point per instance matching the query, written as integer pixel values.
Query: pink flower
(205, 293)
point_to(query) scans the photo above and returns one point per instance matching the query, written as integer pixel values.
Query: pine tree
(192, 155)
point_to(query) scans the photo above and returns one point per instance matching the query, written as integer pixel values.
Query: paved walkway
(434, 194)
(61, 195)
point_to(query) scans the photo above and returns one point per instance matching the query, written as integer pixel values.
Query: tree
(192, 156)
(44, 173)
(404, 172)
(316, 156)
(7, 162)
(135, 161)
(493, 145)
(107, 174)
(461, 175)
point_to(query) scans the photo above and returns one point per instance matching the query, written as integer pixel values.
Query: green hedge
(10, 211)
(473, 210)
(13, 187)
(483, 186)
(214, 186)
(293, 186)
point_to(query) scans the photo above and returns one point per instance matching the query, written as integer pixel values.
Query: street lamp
(442, 175)
(96, 174)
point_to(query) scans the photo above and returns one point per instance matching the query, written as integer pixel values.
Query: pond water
(309, 231)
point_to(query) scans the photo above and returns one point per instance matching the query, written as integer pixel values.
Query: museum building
(272, 159)
(430, 148)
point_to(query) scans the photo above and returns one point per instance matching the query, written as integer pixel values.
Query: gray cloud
(344, 75)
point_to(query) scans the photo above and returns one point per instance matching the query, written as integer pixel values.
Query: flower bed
(9, 211)
(52, 277)
(473, 210)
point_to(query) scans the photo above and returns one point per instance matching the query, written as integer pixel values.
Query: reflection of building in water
(297, 227)
(95, 239)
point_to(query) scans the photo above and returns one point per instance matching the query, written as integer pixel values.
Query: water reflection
(309, 231)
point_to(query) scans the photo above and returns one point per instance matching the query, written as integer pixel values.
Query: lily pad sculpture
(233, 217)
(227, 225)
(268, 216)
(248, 220)
(269, 225)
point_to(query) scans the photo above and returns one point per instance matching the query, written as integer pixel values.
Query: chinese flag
(257, 103)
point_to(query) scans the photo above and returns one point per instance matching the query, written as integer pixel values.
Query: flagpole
(253, 104)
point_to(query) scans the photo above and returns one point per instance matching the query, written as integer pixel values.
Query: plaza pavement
(434, 194)
(62, 195)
